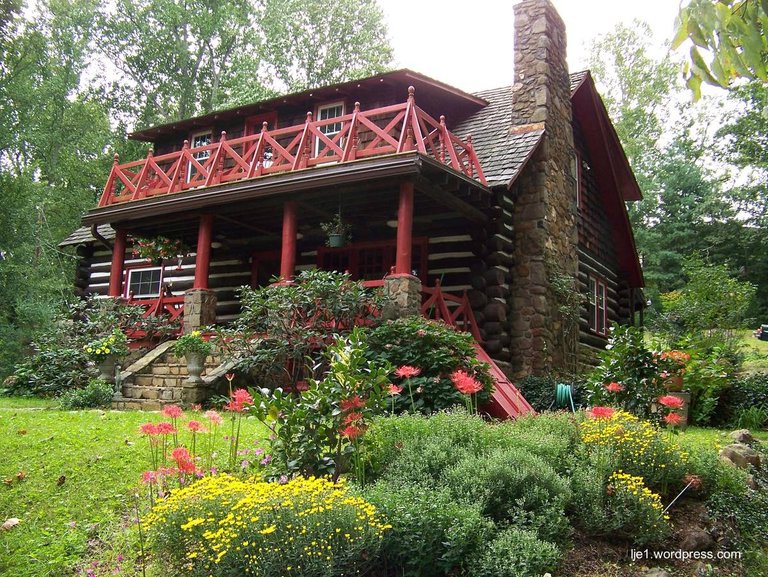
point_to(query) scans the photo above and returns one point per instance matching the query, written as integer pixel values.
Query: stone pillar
(199, 309)
(544, 215)
(402, 296)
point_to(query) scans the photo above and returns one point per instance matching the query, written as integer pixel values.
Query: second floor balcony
(388, 130)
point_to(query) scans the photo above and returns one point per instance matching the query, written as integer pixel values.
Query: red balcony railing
(388, 130)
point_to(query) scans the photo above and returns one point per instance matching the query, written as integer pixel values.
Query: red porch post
(118, 263)
(288, 249)
(203, 258)
(404, 229)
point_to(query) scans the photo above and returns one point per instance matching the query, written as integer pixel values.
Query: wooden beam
(447, 199)
(404, 229)
(237, 222)
(288, 247)
(203, 258)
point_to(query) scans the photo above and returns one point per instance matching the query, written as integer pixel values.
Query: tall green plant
(284, 329)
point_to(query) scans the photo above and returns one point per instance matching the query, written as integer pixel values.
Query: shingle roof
(83, 235)
(502, 151)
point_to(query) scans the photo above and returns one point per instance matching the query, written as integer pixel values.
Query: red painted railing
(388, 130)
(164, 305)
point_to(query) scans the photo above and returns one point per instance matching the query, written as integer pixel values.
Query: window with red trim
(598, 305)
(143, 282)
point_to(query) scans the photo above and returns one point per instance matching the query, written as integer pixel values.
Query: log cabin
(508, 205)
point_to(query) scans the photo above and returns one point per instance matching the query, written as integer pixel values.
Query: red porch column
(288, 249)
(404, 229)
(203, 258)
(118, 263)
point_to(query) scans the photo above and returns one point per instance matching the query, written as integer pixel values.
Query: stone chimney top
(541, 84)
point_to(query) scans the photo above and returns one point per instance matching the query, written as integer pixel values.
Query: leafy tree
(732, 35)
(323, 41)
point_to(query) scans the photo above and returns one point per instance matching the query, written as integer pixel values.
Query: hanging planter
(158, 248)
(337, 230)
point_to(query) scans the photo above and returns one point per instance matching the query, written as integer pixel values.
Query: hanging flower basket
(158, 248)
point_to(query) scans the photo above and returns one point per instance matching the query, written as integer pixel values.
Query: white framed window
(598, 305)
(197, 139)
(326, 112)
(145, 282)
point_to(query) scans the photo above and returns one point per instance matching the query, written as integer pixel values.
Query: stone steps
(160, 378)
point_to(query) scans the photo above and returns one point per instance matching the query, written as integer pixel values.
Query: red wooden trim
(288, 247)
(392, 129)
(118, 262)
(404, 229)
(203, 258)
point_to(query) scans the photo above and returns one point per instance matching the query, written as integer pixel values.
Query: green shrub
(222, 525)
(283, 330)
(432, 533)
(638, 370)
(513, 487)
(624, 442)
(710, 372)
(620, 506)
(540, 391)
(746, 391)
(516, 553)
(437, 350)
(97, 393)
(48, 372)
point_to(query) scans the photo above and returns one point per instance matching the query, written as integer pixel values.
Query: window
(598, 305)
(196, 140)
(144, 282)
(326, 112)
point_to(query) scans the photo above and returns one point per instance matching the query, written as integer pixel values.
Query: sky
(468, 43)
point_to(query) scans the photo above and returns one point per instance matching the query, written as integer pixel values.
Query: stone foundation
(199, 309)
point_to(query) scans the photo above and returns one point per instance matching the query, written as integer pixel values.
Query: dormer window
(327, 112)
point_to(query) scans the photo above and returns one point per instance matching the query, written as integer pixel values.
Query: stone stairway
(160, 378)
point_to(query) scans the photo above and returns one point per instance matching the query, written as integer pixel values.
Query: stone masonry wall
(544, 215)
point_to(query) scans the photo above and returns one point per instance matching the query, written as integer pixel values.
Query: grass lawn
(69, 477)
(755, 352)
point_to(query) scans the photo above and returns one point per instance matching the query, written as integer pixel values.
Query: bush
(50, 371)
(283, 330)
(97, 393)
(628, 362)
(516, 553)
(432, 534)
(437, 350)
(624, 442)
(513, 487)
(540, 392)
(620, 506)
(746, 392)
(309, 527)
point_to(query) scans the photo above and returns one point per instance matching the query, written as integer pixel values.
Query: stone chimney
(544, 196)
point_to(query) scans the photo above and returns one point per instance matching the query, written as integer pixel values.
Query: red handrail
(387, 130)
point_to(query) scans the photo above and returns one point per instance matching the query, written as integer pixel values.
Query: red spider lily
(352, 431)
(240, 399)
(693, 480)
(195, 426)
(407, 372)
(353, 417)
(230, 377)
(165, 428)
(673, 419)
(180, 453)
(466, 383)
(601, 412)
(183, 460)
(352, 403)
(671, 402)
(149, 429)
(172, 411)
(149, 477)
(214, 417)
(614, 387)
(393, 390)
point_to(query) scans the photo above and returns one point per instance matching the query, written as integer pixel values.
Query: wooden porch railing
(388, 130)
(172, 306)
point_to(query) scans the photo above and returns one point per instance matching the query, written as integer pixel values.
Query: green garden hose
(564, 397)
